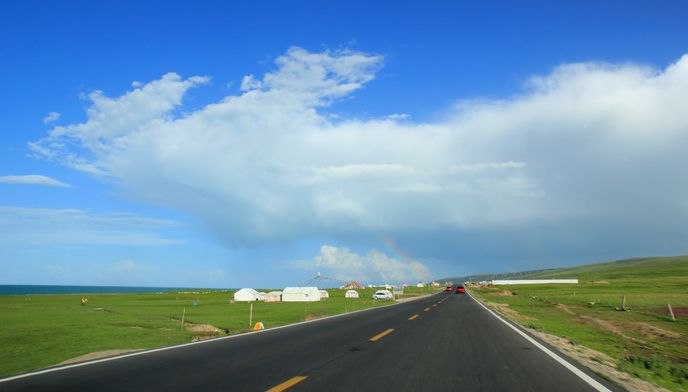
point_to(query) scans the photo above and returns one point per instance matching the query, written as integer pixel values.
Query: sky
(232, 144)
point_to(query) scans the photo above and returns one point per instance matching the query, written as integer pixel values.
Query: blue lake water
(46, 289)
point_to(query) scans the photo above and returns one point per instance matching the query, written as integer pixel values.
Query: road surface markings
(287, 384)
(427, 309)
(415, 316)
(381, 335)
(591, 381)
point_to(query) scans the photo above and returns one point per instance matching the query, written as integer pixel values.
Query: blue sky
(223, 145)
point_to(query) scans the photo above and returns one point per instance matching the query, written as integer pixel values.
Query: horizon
(377, 143)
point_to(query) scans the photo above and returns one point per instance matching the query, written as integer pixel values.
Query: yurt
(324, 294)
(273, 296)
(247, 294)
(300, 294)
(351, 294)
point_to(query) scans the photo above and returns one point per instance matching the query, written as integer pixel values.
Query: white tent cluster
(289, 294)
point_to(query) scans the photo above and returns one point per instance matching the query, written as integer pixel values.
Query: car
(460, 290)
(383, 294)
(449, 288)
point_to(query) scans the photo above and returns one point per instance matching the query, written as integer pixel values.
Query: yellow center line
(381, 335)
(415, 316)
(287, 384)
(427, 309)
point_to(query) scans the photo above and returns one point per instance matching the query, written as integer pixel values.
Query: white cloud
(45, 227)
(399, 116)
(248, 82)
(33, 179)
(375, 266)
(585, 142)
(51, 117)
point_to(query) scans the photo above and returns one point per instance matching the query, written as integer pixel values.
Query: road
(441, 342)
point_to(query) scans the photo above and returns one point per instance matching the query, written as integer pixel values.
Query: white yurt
(273, 296)
(300, 294)
(324, 294)
(351, 294)
(247, 294)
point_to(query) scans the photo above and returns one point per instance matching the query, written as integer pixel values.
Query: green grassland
(643, 341)
(43, 330)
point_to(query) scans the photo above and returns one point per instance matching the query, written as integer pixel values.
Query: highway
(441, 342)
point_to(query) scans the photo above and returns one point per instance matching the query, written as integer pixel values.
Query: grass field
(642, 341)
(43, 330)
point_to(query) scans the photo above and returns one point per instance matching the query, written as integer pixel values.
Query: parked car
(460, 290)
(383, 294)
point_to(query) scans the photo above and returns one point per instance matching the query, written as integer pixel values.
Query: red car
(460, 290)
(449, 288)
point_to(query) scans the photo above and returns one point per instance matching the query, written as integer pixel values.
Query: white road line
(591, 381)
(215, 340)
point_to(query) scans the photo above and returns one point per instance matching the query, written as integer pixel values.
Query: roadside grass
(643, 340)
(38, 331)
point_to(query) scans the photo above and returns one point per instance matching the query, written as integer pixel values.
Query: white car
(383, 294)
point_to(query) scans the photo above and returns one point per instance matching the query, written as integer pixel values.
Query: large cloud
(374, 266)
(586, 143)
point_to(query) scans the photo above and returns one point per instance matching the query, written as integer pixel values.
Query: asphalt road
(442, 342)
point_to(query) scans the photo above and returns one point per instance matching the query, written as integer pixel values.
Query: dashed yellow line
(427, 309)
(381, 335)
(287, 384)
(415, 316)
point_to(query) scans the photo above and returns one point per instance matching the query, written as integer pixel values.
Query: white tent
(247, 294)
(300, 294)
(351, 294)
(324, 294)
(273, 296)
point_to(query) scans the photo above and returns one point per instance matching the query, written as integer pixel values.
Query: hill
(627, 269)
(501, 275)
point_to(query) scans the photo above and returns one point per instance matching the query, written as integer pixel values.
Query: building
(248, 295)
(300, 294)
(273, 296)
(535, 281)
(351, 294)
(420, 284)
(324, 294)
(352, 285)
